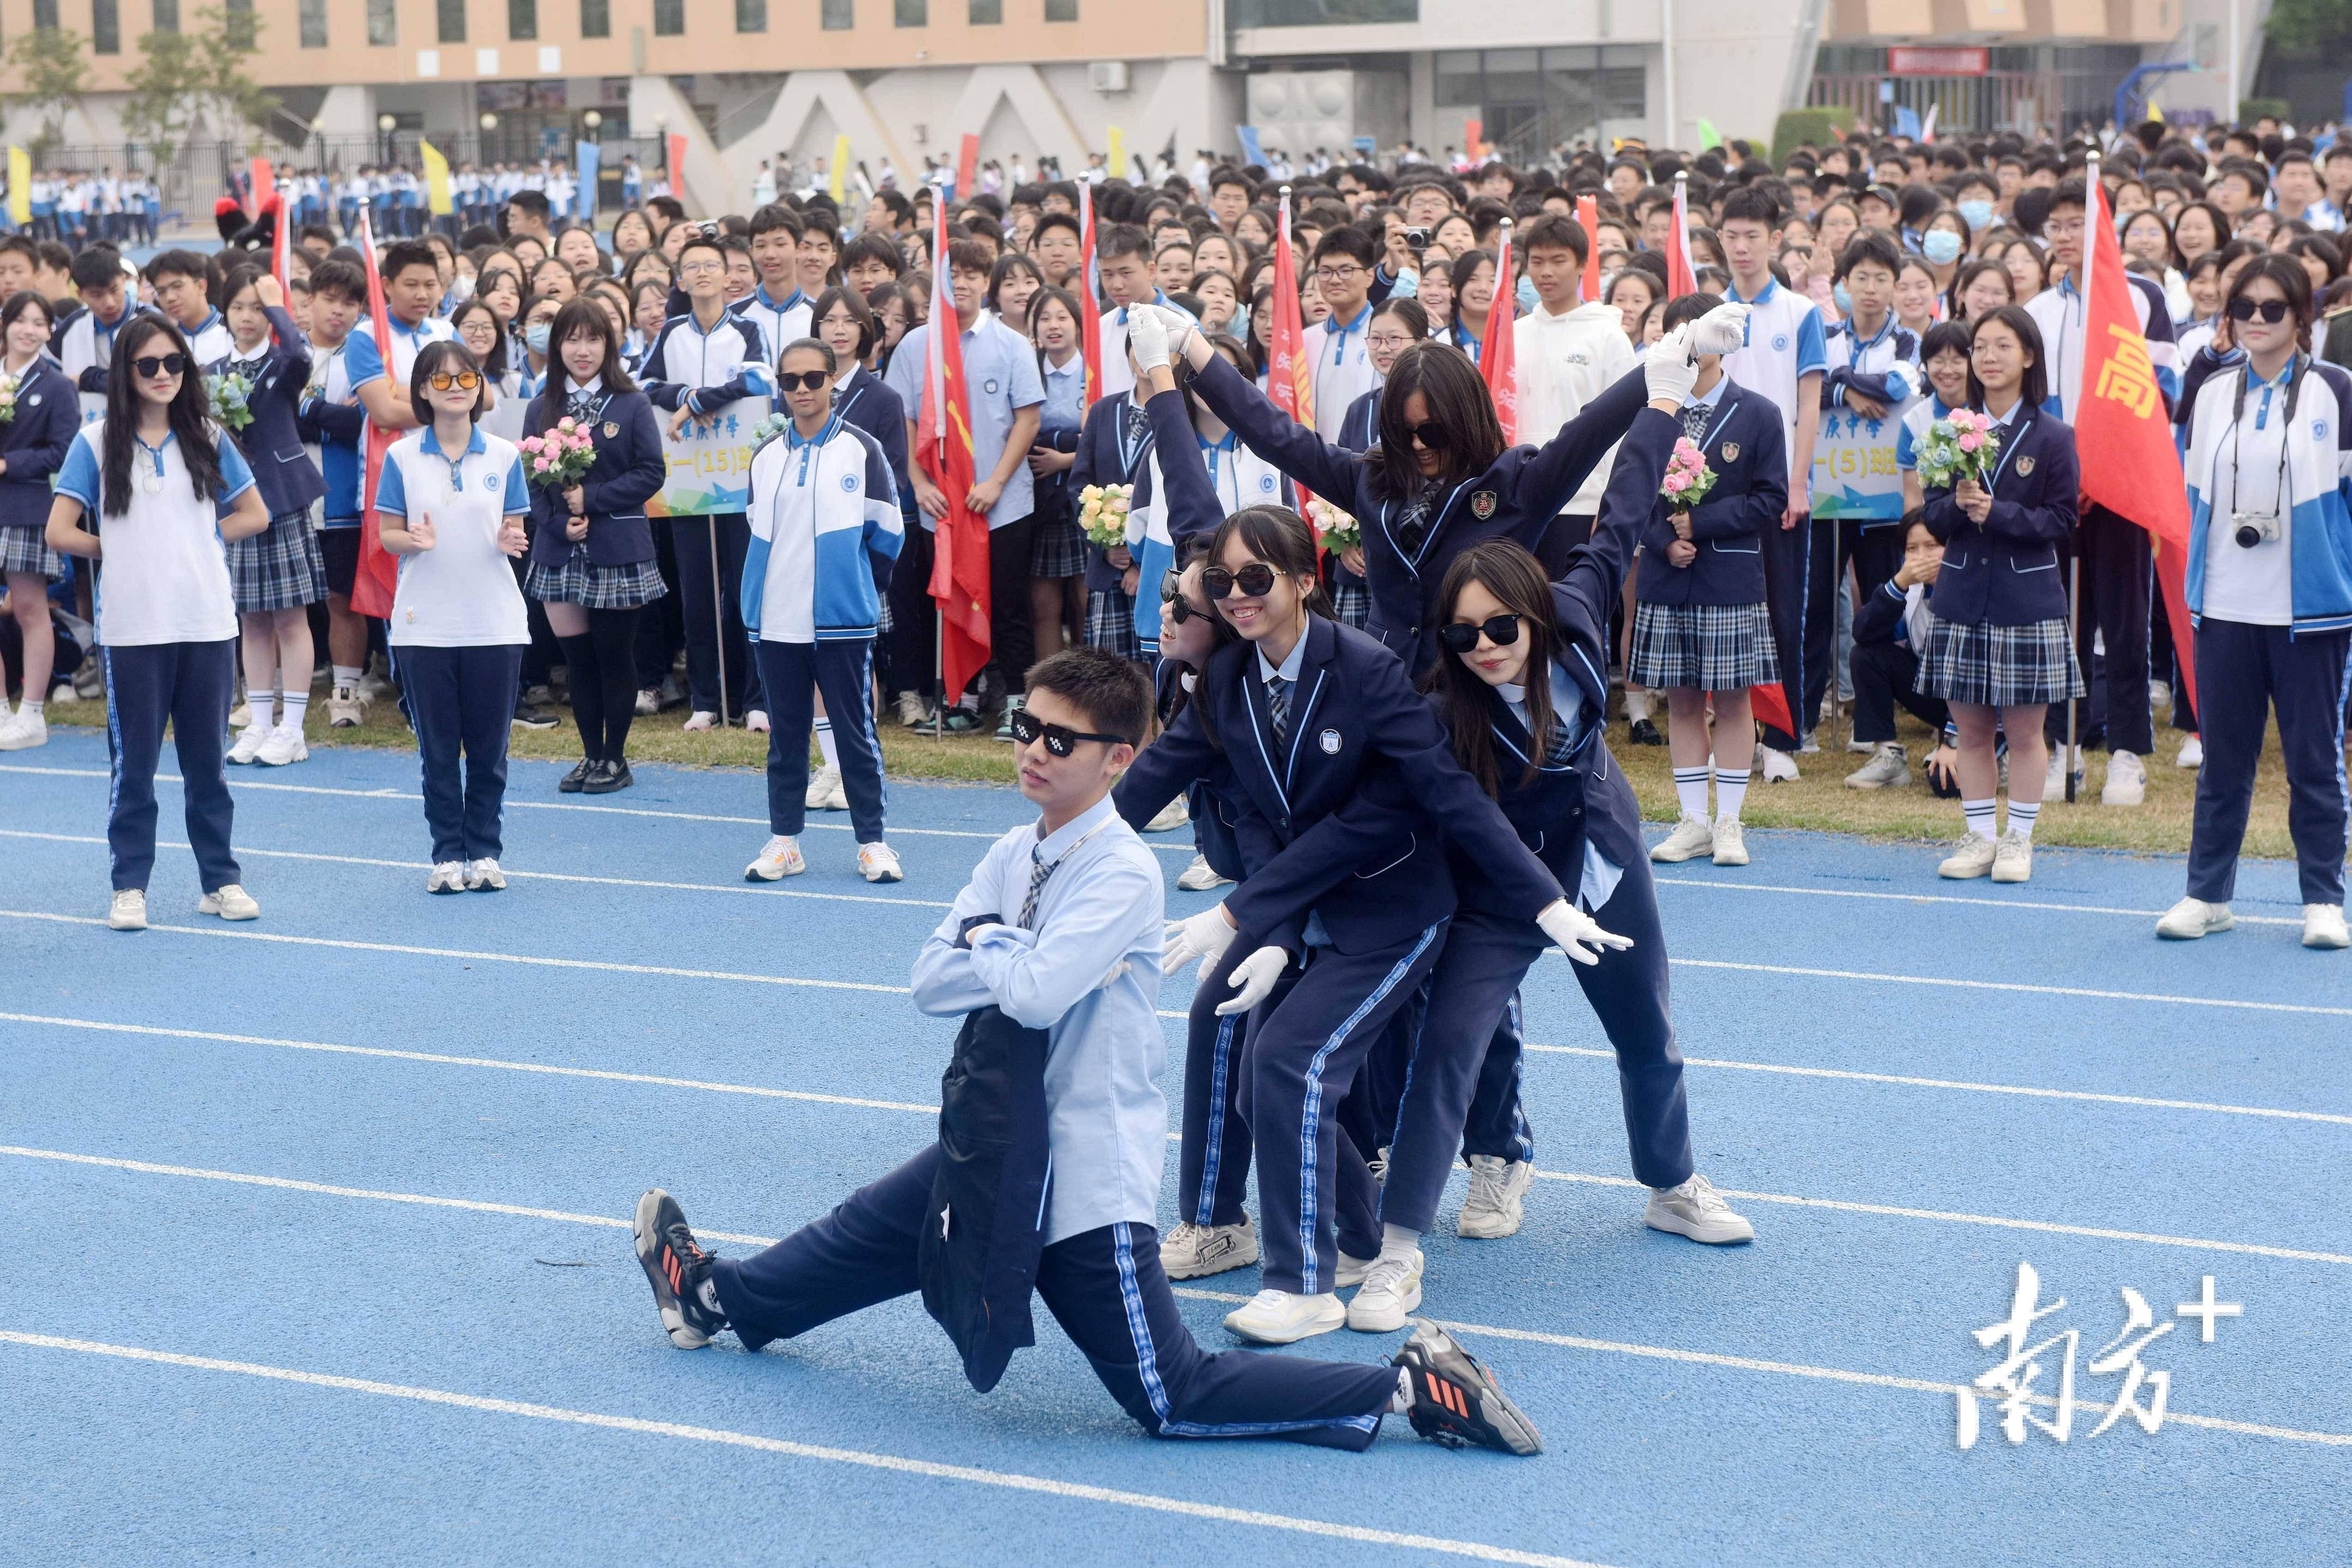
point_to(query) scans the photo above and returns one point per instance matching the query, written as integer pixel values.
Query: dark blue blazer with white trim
(1745, 448)
(628, 471)
(1100, 461)
(48, 413)
(2004, 570)
(272, 444)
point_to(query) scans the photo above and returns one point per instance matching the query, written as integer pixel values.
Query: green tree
(2311, 27)
(194, 82)
(53, 71)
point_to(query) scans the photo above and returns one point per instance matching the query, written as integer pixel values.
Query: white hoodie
(1564, 362)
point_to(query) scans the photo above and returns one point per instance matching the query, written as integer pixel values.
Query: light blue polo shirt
(1786, 341)
(1000, 374)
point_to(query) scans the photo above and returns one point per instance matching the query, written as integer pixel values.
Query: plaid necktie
(1138, 425)
(584, 406)
(1277, 706)
(1697, 416)
(1039, 869)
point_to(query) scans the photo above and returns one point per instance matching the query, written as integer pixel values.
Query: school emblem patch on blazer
(2024, 466)
(1731, 451)
(612, 429)
(1330, 742)
(1482, 505)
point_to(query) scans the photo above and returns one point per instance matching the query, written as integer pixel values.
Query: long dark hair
(2293, 281)
(578, 316)
(1279, 537)
(189, 413)
(1505, 569)
(2034, 389)
(869, 331)
(1220, 632)
(1457, 399)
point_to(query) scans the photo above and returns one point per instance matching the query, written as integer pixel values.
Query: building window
(911, 13)
(986, 13)
(839, 15)
(522, 18)
(313, 23)
(669, 17)
(237, 22)
(596, 18)
(450, 15)
(167, 16)
(105, 27)
(750, 16)
(1322, 13)
(1531, 101)
(383, 23)
(45, 16)
(1061, 10)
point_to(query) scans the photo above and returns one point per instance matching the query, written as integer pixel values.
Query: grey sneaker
(1697, 1210)
(1491, 1209)
(1888, 768)
(1196, 1251)
(128, 910)
(485, 877)
(448, 876)
(1973, 857)
(2012, 858)
(2194, 918)
(1455, 1400)
(1692, 837)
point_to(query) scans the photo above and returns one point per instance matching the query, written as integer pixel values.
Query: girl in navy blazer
(277, 574)
(47, 412)
(1701, 627)
(592, 553)
(1398, 322)
(1998, 649)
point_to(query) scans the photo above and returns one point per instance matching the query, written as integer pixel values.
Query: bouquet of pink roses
(1688, 479)
(558, 457)
(1962, 445)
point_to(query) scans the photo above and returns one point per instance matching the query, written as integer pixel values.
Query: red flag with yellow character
(959, 557)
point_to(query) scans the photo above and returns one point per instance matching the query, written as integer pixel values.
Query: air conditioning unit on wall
(1107, 76)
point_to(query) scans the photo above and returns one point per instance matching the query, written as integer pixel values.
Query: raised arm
(1297, 450)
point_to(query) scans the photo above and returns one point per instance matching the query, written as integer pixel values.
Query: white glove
(1253, 980)
(1204, 936)
(1572, 929)
(1181, 329)
(1669, 370)
(1721, 331)
(1146, 336)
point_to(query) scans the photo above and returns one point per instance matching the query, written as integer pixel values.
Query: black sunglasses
(1026, 728)
(2272, 311)
(160, 365)
(803, 380)
(1255, 580)
(1461, 636)
(1171, 593)
(1430, 434)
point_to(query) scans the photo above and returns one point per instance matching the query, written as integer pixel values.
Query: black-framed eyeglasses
(1027, 728)
(1254, 580)
(1430, 434)
(463, 380)
(803, 380)
(2272, 311)
(1171, 593)
(160, 365)
(1461, 636)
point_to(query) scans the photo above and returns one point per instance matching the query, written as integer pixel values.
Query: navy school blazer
(1516, 497)
(48, 413)
(628, 472)
(1101, 461)
(870, 405)
(1745, 448)
(2004, 572)
(1213, 820)
(272, 444)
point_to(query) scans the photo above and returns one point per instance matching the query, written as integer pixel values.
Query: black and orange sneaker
(1457, 1401)
(679, 1270)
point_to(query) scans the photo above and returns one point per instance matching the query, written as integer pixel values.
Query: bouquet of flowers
(1688, 479)
(227, 392)
(1102, 512)
(1335, 530)
(558, 457)
(1962, 445)
(7, 398)
(776, 424)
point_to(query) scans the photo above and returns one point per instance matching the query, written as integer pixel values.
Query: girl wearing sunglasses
(450, 504)
(276, 574)
(154, 492)
(2269, 584)
(32, 445)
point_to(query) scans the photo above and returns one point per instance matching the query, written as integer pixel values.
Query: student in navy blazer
(1112, 445)
(33, 444)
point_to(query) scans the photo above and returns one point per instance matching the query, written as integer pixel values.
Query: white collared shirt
(461, 592)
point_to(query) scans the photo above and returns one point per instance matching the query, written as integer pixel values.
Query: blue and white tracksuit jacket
(818, 507)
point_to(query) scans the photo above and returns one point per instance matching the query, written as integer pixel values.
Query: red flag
(282, 248)
(675, 145)
(1681, 278)
(1588, 215)
(968, 168)
(1498, 358)
(959, 557)
(260, 185)
(1089, 307)
(1770, 704)
(379, 574)
(1290, 382)
(2122, 433)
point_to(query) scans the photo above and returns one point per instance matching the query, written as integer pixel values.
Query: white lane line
(1010, 1481)
(754, 890)
(2032, 1093)
(1950, 982)
(1943, 898)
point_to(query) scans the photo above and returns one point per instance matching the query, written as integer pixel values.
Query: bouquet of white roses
(1102, 512)
(1335, 530)
(228, 394)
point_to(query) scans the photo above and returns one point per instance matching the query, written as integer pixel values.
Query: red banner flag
(1499, 357)
(260, 187)
(1588, 217)
(1290, 379)
(379, 574)
(968, 167)
(282, 248)
(1083, 290)
(674, 147)
(1681, 278)
(2122, 433)
(958, 583)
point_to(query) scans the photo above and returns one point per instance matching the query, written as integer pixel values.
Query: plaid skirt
(1999, 667)
(27, 549)
(281, 568)
(1352, 603)
(580, 581)
(1059, 548)
(1711, 647)
(1110, 622)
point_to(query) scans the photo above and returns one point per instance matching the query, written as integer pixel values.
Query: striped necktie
(1277, 706)
(1039, 869)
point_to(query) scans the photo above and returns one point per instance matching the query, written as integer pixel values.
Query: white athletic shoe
(755, 722)
(699, 720)
(2192, 753)
(1491, 1210)
(1731, 842)
(1775, 767)
(2192, 918)
(2126, 780)
(485, 877)
(824, 792)
(1279, 1318)
(1392, 1290)
(1973, 857)
(1193, 1251)
(1888, 768)
(1352, 1271)
(128, 911)
(1697, 1210)
(911, 709)
(2053, 782)
(648, 702)
(344, 709)
(2012, 858)
(1172, 815)
(22, 732)
(877, 862)
(284, 747)
(231, 902)
(1692, 837)
(448, 877)
(780, 859)
(1200, 876)
(373, 685)
(2323, 927)
(249, 741)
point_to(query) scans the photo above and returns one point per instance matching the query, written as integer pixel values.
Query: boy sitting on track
(1052, 1134)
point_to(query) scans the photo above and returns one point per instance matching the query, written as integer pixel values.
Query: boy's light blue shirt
(1000, 378)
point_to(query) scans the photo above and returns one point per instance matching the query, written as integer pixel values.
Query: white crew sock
(1401, 1403)
(30, 707)
(824, 743)
(1731, 790)
(347, 674)
(1399, 1241)
(258, 705)
(2022, 818)
(1690, 789)
(1979, 816)
(297, 704)
(1637, 703)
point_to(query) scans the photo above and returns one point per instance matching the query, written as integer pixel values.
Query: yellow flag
(20, 185)
(436, 180)
(1117, 158)
(840, 183)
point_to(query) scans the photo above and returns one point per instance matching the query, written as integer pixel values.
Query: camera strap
(2298, 366)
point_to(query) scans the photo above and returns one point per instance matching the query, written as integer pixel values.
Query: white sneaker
(249, 741)
(1888, 768)
(231, 902)
(1811, 746)
(1697, 1210)
(2054, 781)
(1193, 1251)
(344, 709)
(2160, 694)
(2126, 780)
(2192, 918)
(63, 693)
(877, 862)
(1692, 837)
(1731, 842)
(2192, 753)
(1972, 857)
(824, 792)
(285, 746)
(911, 710)
(648, 702)
(241, 716)
(2322, 926)
(128, 911)
(701, 720)
(485, 877)
(1392, 1290)
(1775, 767)
(779, 859)
(448, 877)
(373, 686)
(2012, 858)
(1200, 876)
(1492, 1210)
(1280, 1317)
(1172, 815)
(755, 722)
(1352, 1271)
(22, 732)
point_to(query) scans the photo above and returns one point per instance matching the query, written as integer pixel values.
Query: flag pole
(719, 616)
(2074, 640)
(2092, 207)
